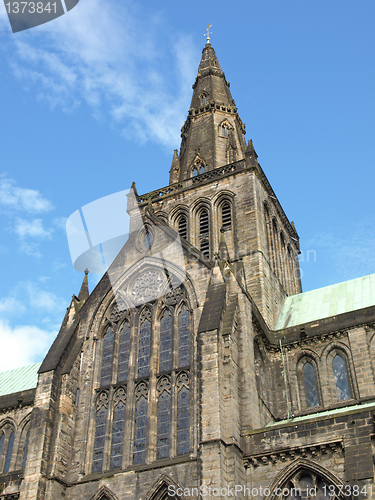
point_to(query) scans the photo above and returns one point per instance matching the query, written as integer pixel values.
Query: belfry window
(182, 226)
(226, 215)
(204, 99)
(311, 389)
(204, 232)
(152, 337)
(224, 130)
(341, 378)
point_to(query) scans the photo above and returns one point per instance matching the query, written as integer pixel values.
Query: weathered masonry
(212, 372)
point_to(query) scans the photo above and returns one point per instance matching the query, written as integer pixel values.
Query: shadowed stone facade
(173, 376)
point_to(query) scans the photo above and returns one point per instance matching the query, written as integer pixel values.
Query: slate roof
(327, 302)
(19, 379)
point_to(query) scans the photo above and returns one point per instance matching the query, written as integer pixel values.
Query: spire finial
(207, 35)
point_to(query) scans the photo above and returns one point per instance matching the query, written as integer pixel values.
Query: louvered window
(182, 226)
(204, 232)
(226, 215)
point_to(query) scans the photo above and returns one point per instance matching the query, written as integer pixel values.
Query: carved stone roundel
(148, 287)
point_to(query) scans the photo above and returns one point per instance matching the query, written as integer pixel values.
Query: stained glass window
(117, 435)
(144, 349)
(25, 450)
(165, 362)
(183, 421)
(2, 439)
(101, 418)
(140, 431)
(106, 373)
(310, 385)
(183, 337)
(9, 453)
(123, 355)
(341, 378)
(164, 424)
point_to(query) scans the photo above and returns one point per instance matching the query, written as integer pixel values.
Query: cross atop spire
(208, 33)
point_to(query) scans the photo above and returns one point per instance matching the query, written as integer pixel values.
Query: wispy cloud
(23, 344)
(118, 58)
(22, 199)
(31, 228)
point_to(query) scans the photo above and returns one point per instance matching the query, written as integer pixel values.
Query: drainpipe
(284, 373)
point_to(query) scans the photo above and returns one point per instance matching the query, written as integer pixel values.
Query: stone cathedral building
(212, 377)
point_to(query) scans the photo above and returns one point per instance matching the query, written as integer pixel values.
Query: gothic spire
(84, 292)
(213, 134)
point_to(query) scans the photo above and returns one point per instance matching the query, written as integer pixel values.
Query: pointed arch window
(144, 347)
(140, 424)
(195, 172)
(120, 418)
(123, 356)
(183, 337)
(164, 418)
(311, 389)
(165, 357)
(100, 428)
(182, 226)
(106, 373)
(226, 215)
(204, 232)
(225, 130)
(183, 414)
(9, 452)
(25, 449)
(118, 426)
(341, 378)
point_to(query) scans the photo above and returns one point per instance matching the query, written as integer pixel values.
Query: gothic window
(195, 172)
(311, 389)
(2, 441)
(204, 232)
(182, 226)
(164, 418)
(140, 424)
(106, 374)
(224, 130)
(183, 337)
(341, 378)
(226, 215)
(9, 452)
(203, 99)
(122, 418)
(202, 169)
(100, 428)
(25, 450)
(308, 484)
(123, 356)
(165, 359)
(118, 425)
(183, 414)
(144, 348)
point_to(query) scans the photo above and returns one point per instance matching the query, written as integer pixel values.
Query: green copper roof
(19, 379)
(328, 301)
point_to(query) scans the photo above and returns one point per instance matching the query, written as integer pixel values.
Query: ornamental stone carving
(148, 287)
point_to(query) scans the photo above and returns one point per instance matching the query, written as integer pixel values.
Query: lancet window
(7, 435)
(135, 424)
(311, 388)
(341, 378)
(182, 226)
(204, 228)
(226, 215)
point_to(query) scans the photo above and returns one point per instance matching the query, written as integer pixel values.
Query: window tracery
(151, 353)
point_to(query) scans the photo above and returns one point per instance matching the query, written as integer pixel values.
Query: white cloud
(43, 299)
(23, 345)
(11, 305)
(112, 56)
(33, 228)
(22, 199)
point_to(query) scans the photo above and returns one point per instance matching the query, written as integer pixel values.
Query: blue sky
(96, 99)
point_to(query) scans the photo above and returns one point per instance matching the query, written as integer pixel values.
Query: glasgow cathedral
(197, 368)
